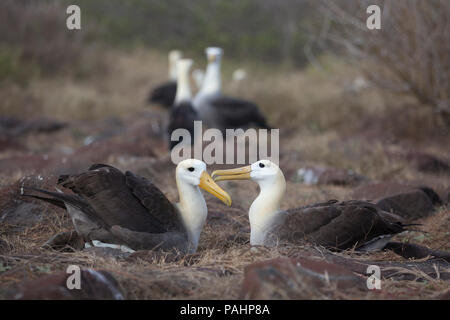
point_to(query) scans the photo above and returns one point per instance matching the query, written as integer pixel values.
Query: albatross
(332, 224)
(113, 209)
(219, 111)
(165, 93)
(182, 114)
(199, 76)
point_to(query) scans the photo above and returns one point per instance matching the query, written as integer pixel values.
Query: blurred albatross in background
(165, 93)
(199, 76)
(182, 114)
(112, 209)
(219, 111)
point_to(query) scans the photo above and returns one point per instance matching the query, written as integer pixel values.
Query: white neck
(212, 82)
(183, 87)
(193, 211)
(264, 211)
(172, 69)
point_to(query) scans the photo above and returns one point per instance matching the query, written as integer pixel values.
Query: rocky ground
(336, 142)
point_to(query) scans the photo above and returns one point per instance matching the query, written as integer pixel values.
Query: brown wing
(105, 189)
(156, 203)
(153, 241)
(164, 94)
(182, 116)
(86, 221)
(237, 113)
(308, 219)
(337, 225)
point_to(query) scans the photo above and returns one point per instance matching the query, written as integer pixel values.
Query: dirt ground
(323, 121)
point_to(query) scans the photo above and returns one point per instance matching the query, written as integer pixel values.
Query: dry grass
(117, 91)
(322, 123)
(213, 273)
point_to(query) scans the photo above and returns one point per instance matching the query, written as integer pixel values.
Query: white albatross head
(191, 175)
(192, 172)
(214, 54)
(265, 209)
(174, 56)
(199, 76)
(264, 172)
(212, 83)
(183, 85)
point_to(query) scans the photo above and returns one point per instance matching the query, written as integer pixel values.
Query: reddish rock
(432, 194)
(7, 143)
(446, 197)
(19, 212)
(46, 288)
(39, 125)
(427, 163)
(445, 295)
(100, 151)
(412, 205)
(7, 123)
(324, 175)
(376, 191)
(422, 161)
(295, 278)
(403, 200)
(13, 126)
(29, 163)
(24, 215)
(95, 285)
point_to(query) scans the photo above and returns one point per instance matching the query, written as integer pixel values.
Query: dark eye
(261, 165)
(191, 169)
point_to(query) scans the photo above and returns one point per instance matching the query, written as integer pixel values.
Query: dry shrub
(37, 29)
(411, 52)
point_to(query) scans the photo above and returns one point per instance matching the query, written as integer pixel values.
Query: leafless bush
(410, 53)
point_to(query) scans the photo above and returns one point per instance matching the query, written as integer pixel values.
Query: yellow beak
(242, 173)
(208, 184)
(212, 58)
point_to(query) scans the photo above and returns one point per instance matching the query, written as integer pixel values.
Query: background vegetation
(409, 55)
(344, 97)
